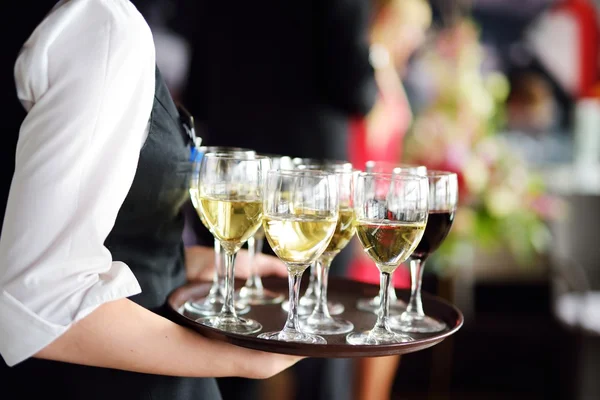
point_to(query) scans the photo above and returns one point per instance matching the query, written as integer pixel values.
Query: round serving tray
(272, 317)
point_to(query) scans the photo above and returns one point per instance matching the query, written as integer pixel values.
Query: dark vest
(147, 237)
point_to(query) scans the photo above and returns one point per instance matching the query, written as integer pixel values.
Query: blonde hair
(409, 11)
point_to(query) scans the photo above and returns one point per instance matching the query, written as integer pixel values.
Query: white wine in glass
(397, 306)
(320, 320)
(391, 214)
(301, 212)
(230, 199)
(309, 299)
(213, 302)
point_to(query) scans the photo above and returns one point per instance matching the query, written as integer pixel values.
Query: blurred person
(397, 30)
(533, 118)
(91, 236)
(530, 106)
(281, 78)
(276, 78)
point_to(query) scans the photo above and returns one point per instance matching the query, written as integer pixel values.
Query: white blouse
(86, 78)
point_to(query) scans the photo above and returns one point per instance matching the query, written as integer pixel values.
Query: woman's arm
(123, 335)
(86, 79)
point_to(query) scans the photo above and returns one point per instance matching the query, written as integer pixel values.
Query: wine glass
(213, 302)
(230, 194)
(309, 298)
(253, 291)
(391, 214)
(301, 212)
(397, 306)
(320, 320)
(443, 198)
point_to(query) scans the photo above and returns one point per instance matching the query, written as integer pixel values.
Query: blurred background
(504, 92)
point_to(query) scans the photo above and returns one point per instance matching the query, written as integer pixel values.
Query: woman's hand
(200, 264)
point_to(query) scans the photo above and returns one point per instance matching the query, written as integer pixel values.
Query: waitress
(91, 239)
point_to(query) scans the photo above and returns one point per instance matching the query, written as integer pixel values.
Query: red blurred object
(584, 12)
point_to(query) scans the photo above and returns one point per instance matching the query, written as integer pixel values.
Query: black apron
(147, 236)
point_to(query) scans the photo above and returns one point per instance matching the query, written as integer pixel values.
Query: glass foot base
(372, 305)
(322, 325)
(413, 323)
(210, 307)
(299, 337)
(231, 324)
(374, 338)
(306, 308)
(255, 297)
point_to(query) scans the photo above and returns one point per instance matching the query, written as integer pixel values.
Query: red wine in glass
(443, 199)
(437, 228)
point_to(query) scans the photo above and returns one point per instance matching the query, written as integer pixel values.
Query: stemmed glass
(391, 214)
(301, 213)
(213, 302)
(443, 198)
(253, 291)
(320, 320)
(397, 306)
(309, 298)
(230, 194)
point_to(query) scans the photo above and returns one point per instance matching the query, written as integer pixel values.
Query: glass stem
(291, 325)
(321, 309)
(415, 306)
(384, 305)
(228, 309)
(254, 282)
(216, 288)
(311, 289)
(393, 299)
(220, 268)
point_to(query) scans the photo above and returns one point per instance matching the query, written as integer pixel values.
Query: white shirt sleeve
(86, 77)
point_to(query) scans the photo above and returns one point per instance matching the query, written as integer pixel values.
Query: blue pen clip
(195, 153)
(187, 120)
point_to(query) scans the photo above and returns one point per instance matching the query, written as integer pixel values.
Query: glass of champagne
(230, 194)
(320, 320)
(397, 306)
(443, 199)
(309, 298)
(390, 216)
(300, 216)
(213, 302)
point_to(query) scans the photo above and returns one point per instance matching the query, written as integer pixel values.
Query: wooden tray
(272, 317)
